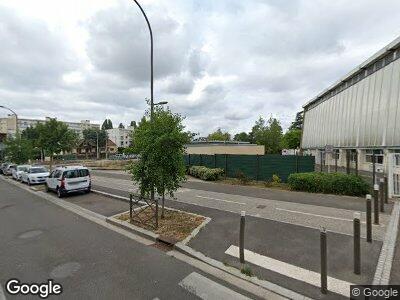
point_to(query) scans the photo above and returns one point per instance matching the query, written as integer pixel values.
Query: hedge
(329, 183)
(205, 173)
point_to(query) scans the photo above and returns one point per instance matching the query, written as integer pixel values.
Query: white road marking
(205, 288)
(321, 216)
(335, 285)
(2, 296)
(210, 198)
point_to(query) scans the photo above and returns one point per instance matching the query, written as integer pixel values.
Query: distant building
(8, 125)
(122, 137)
(224, 147)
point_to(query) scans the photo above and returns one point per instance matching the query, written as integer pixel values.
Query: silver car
(17, 173)
(35, 175)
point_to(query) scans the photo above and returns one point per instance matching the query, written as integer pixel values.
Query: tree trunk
(51, 162)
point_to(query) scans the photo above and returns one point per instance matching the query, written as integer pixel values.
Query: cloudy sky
(221, 63)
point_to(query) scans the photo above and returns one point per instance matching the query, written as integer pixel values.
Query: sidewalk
(395, 274)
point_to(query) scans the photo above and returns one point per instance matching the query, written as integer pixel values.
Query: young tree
(56, 137)
(219, 136)
(19, 150)
(107, 124)
(133, 124)
(268, 134)
(121, 126)
(161, 145)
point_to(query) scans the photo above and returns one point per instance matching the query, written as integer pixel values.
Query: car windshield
(37, 170)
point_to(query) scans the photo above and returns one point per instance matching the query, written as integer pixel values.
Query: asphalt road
(335, 219)
(40, 240)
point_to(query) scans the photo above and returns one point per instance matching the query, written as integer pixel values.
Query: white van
(64, 180)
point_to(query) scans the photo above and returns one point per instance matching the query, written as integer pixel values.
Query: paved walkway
(395, 274)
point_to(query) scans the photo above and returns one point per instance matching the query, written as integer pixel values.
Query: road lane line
(210, 198)
(321, 216)
(2, 295)
(207, 289)
(335, 285)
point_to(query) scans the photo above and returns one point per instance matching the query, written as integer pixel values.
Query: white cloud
(220, 63)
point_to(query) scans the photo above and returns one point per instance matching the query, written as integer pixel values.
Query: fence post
(201, 160)
(381, 195)
(324, 262)
(357, 246)
(241, 238)
(376, 204)
(130, 207)
(369, 219)
(347, 161)
(385, 178)
(258, 168)
(226, 165)
(297, 163)
(189, 160)
(215, 160)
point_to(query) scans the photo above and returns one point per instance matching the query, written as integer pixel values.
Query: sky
(221, 64)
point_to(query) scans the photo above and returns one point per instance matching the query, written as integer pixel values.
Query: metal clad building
(360, 112)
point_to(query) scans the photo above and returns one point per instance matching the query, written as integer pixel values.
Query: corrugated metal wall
(367, 114)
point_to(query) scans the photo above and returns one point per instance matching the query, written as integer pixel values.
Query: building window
(378, 156)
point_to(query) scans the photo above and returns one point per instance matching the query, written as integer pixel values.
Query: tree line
(268, 133)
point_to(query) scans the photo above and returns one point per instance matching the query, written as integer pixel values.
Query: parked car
(9, 169)
(16, 173)
(35, 175)
(64, 180)
(3, 166)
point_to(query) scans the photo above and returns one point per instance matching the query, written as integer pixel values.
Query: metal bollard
(357, 246)
(386, 183)
(369, 219)
(381, 195)
(130, 207)
(324, 262)
(376, 204)
(241, 238)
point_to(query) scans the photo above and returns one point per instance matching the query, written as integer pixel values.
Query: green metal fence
(256, 167)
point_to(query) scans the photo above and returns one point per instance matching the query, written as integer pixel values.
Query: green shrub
(329, 183)
(242, 177)
(205, 173)
(276, 179)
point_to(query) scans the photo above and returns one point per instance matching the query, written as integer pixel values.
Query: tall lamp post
(16, 118)
(151, 61)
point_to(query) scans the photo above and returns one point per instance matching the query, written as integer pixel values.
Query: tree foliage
(218, 135)
(107, 124)
(298, 122)
(291, 139)
(19, 149)
(242, 137)
(90, 136)
(268, 133)
(161, 145)
(121, 126)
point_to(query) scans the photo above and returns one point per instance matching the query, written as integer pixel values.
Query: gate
(394, 174)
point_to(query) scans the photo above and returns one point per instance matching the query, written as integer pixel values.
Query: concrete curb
(132, 228)
(384, 266)
(180, 247)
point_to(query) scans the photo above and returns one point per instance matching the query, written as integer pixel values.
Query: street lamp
(151, 60)
(16, 117)
(161, 103)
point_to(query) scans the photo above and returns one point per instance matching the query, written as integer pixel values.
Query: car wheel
(47, 188)
(60, 194)
(29, 182)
